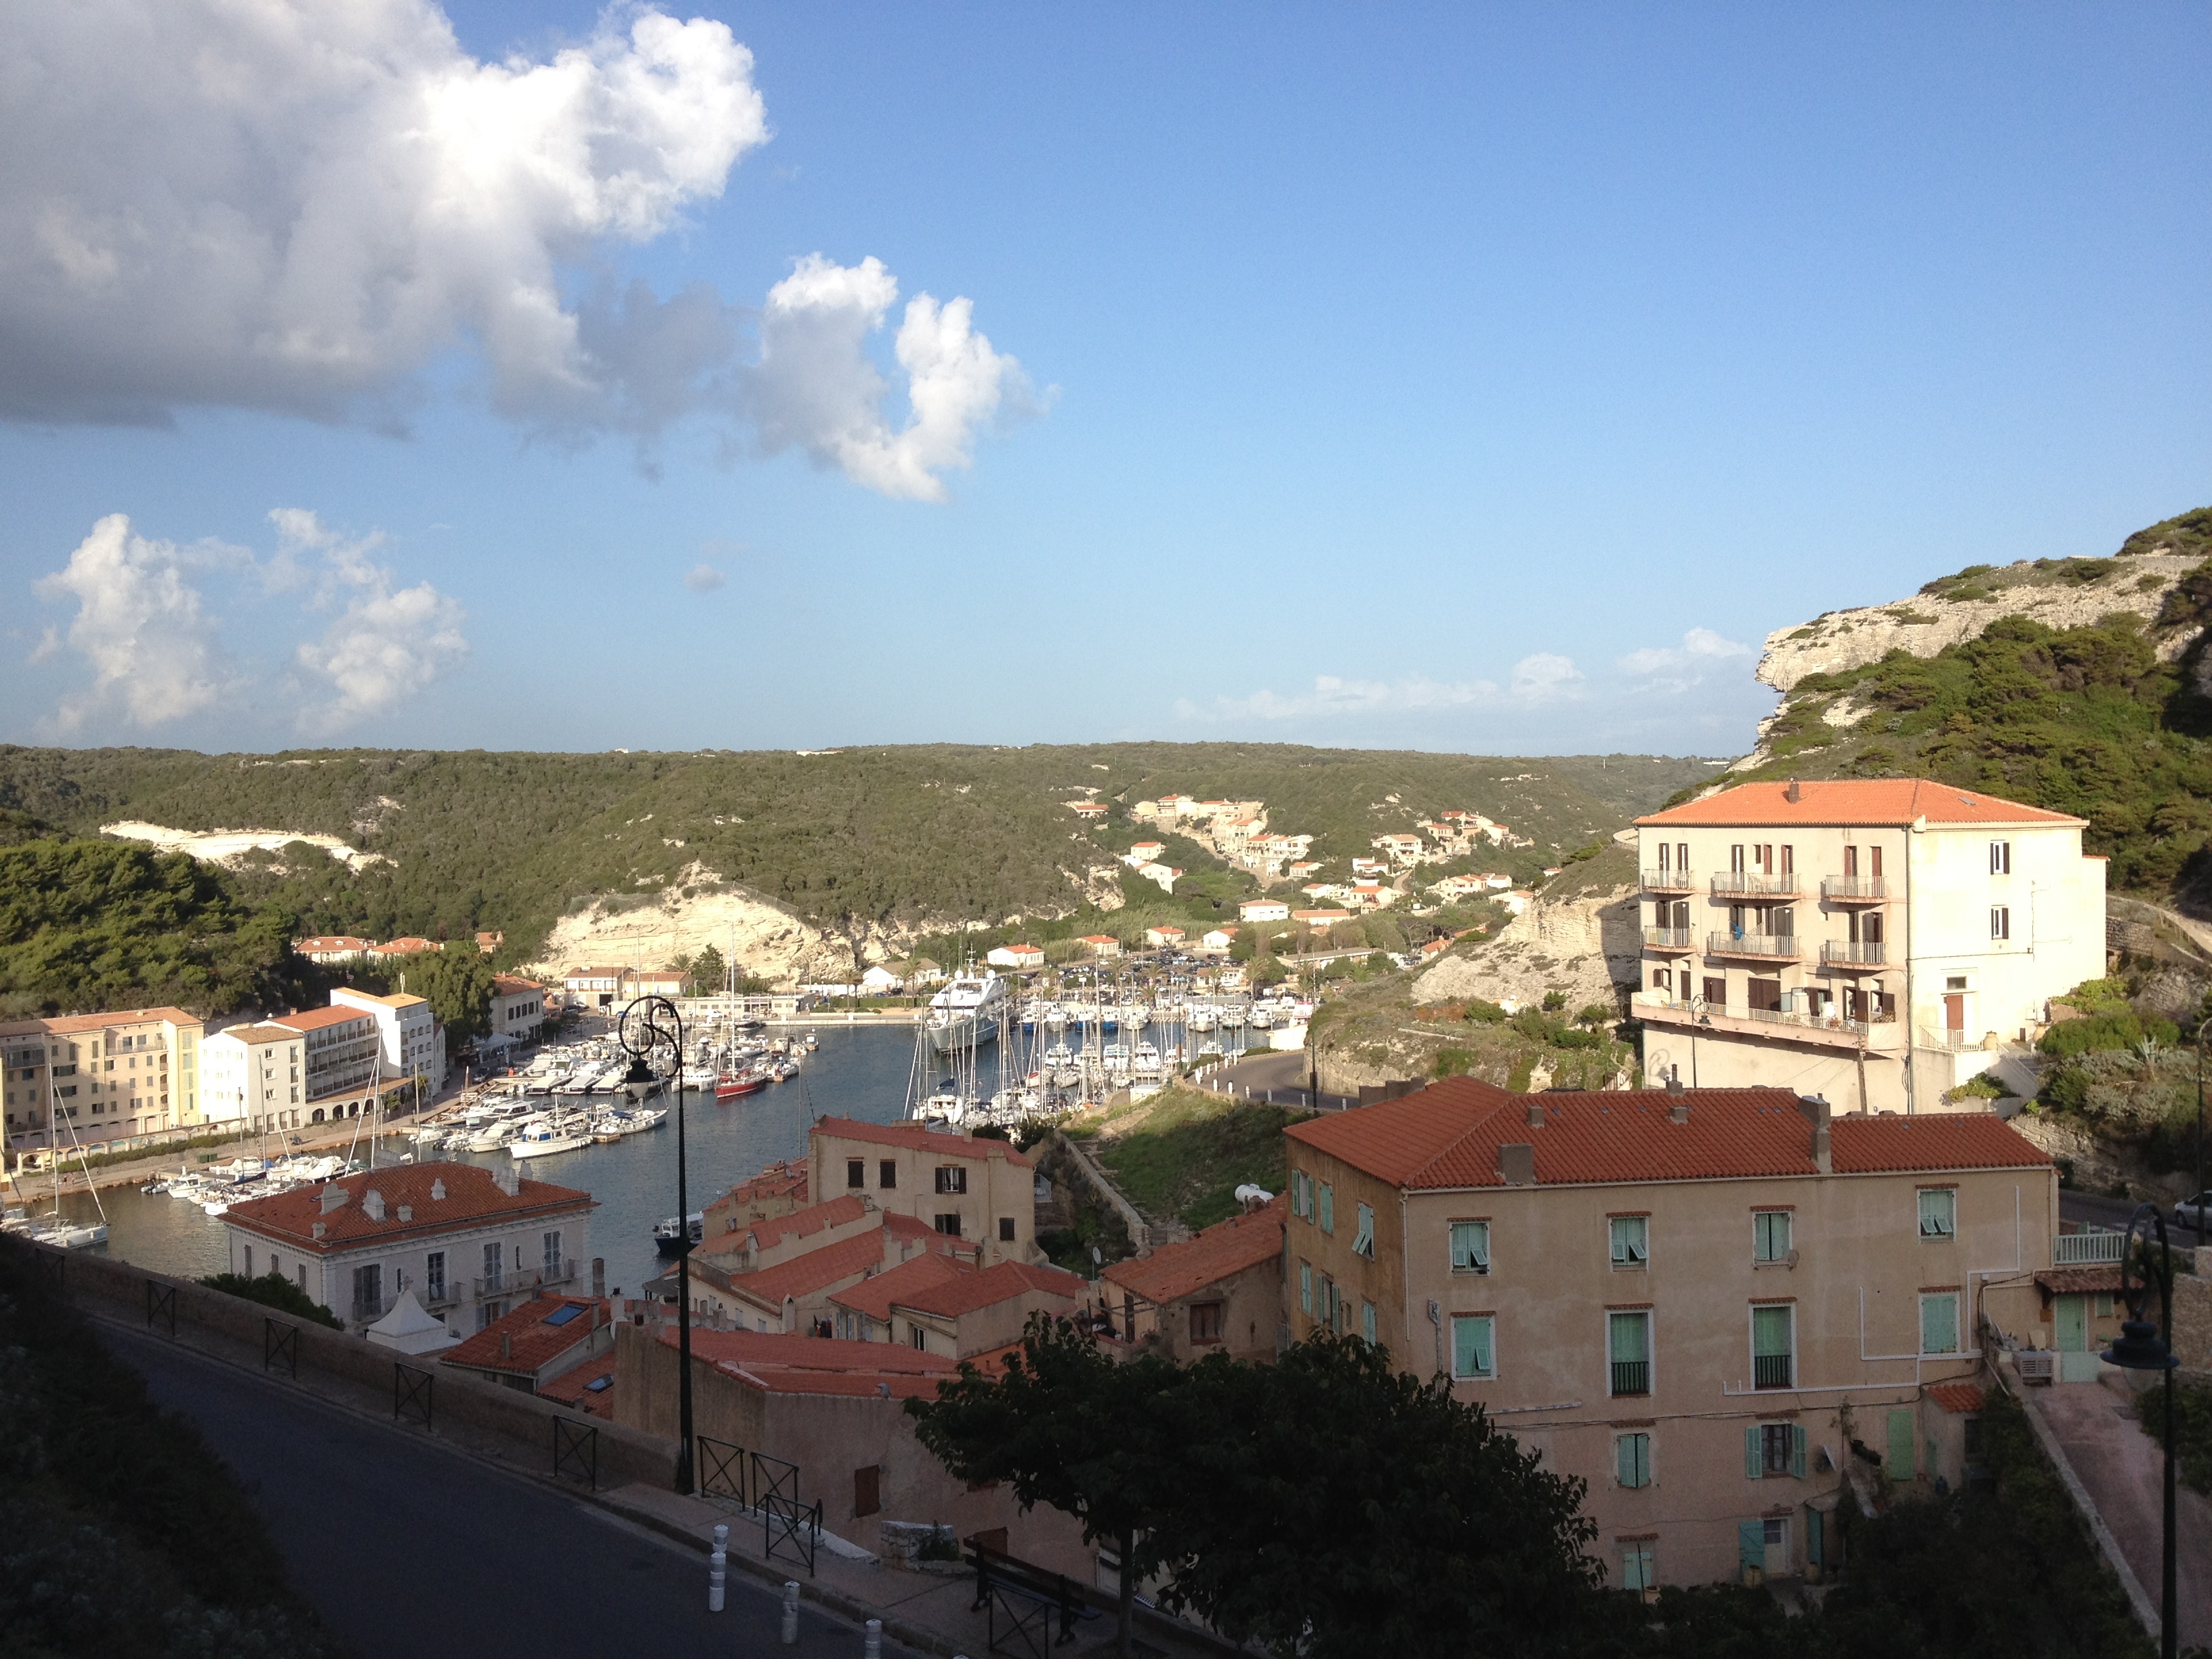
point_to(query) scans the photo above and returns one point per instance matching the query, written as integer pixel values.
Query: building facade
(253, 1078)
(518, 1009)
(980, 1190)
(1875, 942)
(1710, 1305)
(100, 1077)
(412, 1041)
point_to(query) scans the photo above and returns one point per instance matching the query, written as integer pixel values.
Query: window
(1367, 1323)
(1628, 1351)
(1327, 1207)
(1631, 1240)
(433, 1275)
(867, 1490)
(1632, 1459)
(1939, 1322)
(1005, 1230)
(491, 1265)
(1206, 1321)
(1939, 1212)
(1770, 1235)
(1636, 1572)
(1363, 1242)
(1773, 1345)
(856, 1172)
(1470, 1246)
(1306, 1287)
(1474, 1358)
(1773, 1448)
(951, 1178)
(1735, 860)
(249, 1262)
(2000, 921)
(1300, 1194)
(1789, 861)
(949, 1225)
(552, 1243)
(367, 1291)
(2000, 858)
(887, 1174)
(919, 1337)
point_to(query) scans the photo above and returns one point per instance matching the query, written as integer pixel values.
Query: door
(1766, 994)
(1898, 1464)
(1716, 993)
(1776, 1540)
(1955, 1013)
(2077, 1360)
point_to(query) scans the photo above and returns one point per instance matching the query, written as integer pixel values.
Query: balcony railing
(1669, 939)
(1776, 947)
(1854, 890)
(1631, 1376)
(2099, 1247)
(1747, 884)
(517, 1283)
(1772, 1371)
(1861, 953)
(1669, 881)
(1956, 1042)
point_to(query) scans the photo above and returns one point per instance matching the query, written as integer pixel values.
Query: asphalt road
(2095, 1210)
(408, 1548)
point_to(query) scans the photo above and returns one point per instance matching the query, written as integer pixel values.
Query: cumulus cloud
(385, 644)
(1542, 677)
(1702, 653)
(140, 624)
(703, 578)
(300, 205)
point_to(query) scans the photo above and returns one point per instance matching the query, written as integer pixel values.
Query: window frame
(1790, 1310)
(1948, 1232)
(1451, 1243)
(1488, 1321)
(1363, 1236)
(1760, 1221)
(1999, 923)
(952, 1181)
(1210, 1313)
(1368, 1331)
(1306, 1288)
(856, 1174)
(1644, 1574)
(1929, 1298)
(1640, 1224)
(1642, 1458)
(1651, 1361)
(2000, 858)
(1327, 1208)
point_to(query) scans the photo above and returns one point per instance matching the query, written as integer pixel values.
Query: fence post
(873, 1646)
(716, 1560)
(790, 1611)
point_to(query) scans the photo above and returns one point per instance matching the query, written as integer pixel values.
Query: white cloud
(385, 646)
(300, 205)
(140, 624)
(1545, 677)
(1702, 653)
(703, 578)
(1541, 679)
(816, 388)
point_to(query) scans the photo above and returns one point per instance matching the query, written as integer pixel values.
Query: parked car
(2195, 1213)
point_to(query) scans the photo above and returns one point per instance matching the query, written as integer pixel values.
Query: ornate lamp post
(647, 1025)
(2202, 1029)
(2143, 1346)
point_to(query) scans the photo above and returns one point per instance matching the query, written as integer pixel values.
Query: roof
(910, 1280)
(803, 1223)
(2073, 1281)
(472, 1197)
(779, 1362)
(1447, 1136)
(409, 945)
(318, 1019)
(259, 1031)
(507, 985)
(916, 1139)
(69, 1023)
(588, 1386)
(332, 942)
(816, 1270)
(597, 973)
(1098, 938)
(394, 999)
(537, 1333)
(1852, 801)
(777, 1181)
(1207, 1258)
(1959, 1397)
(937, 1285)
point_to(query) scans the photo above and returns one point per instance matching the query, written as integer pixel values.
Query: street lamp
(649, 1024)
(2143, 1346)
(2203, 1028)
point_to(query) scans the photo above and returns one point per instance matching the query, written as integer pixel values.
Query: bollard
(790, 1611)
(716, 1563)
(873, 1647)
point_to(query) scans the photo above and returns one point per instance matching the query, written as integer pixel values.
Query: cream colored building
(118, 1076)
(1874, 942)
(980, 1190)
(1710, 1305)
(413, 1042)
(254, 1078)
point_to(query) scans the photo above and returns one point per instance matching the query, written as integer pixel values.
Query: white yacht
(966, 1011)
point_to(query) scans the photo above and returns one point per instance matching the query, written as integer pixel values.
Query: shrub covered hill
(910, 838)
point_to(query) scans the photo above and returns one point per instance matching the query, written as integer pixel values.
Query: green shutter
(1797, 1449)
(1623, 1451)
(1752, 1470)
(1939, 1324)
(1327, 1207)
(1898, 1464)
(1770, 1333)
(1628, 1331)
(1751, 1543)
(1816, 1538)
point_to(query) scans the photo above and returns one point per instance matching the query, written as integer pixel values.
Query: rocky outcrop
(1587, 948)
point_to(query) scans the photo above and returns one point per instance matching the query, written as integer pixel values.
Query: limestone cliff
(1579, 937)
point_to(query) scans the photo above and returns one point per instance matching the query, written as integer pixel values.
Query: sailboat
(54, 1228)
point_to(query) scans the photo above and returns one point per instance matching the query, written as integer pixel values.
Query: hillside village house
(414, 1043)
(1217, 941)
(980, 1190)
(1221, 1290)
(937, 1303)
(1104, 946)
(649, 983)
(880, 981)
(470, 1243)
(1021, 958)
(1702, 1302)
(1873, 941)
(111, 1077)
(1320, 918)
(517, 1008)
(328, 948)
(539, 1341)
(1263, 910)
(779, 1275)
(1163, 876)
(1143, 852)
(1087, 809)
(1166, 936)
(594, 986)
(399, 949)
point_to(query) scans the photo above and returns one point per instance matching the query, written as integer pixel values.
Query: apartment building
(977, 1189)
(101, 1078)
(253, 1078)
(412, 1041)
(470, 1243)
(1875, 942)
(517, 1008)
(1712, 1305)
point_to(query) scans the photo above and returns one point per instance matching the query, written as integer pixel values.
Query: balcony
(1855, 889)
(1631, 1376)
(1952, 1041)
(1767, 947)
(1882, 1037)
(526, 1282)
(1772, 1371)
(1751, 885)
(1845, 953)
(1669, 939)
(2097, 1247)
(1670, 881)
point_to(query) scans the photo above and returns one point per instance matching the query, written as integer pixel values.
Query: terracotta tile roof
(777, 1181)
(532, 1336)
(1872, 801)
(2073, 1281)
(509, 987)
(412, 945)
(805, 1223)
(332, 942)
(1959, 1397)
(472, 1199)
(1211, 1255)
(72, 1023)
(816, 1270)
(590, 1387)
(784, 1362)
(1448, 1135)
(874, 1297)
(258, 1033)
(916, 1139)
(317, 1019)
(936, 1284)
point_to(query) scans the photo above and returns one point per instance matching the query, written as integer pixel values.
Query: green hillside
(907, 835)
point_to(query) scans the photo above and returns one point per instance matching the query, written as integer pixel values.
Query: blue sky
(1472, 379)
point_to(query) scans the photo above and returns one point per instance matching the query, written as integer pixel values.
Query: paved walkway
(2123, 1470)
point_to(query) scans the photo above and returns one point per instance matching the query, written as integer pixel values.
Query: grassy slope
(1184, 1152)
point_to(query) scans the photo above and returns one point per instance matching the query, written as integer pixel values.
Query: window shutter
(1797, 1449)
(1751, 1469)
(1625, 1460)
(1751, 1543)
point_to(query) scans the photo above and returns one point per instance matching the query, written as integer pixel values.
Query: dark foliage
(273, 1290)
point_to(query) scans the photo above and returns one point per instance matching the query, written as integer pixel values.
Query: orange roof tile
(471, 1199)
(1210, 1256)
(531, 1333)
(874, 1297)
(1868, 801)
(815, 1217)
(786, 1363)
(68, 1024)
(816, 1270)
(1448, 1135)
(916, 1139)
(1959, 1397)
(316, 1019)
(588, 1386)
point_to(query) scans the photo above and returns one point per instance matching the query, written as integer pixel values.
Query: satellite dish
(1096, 1257)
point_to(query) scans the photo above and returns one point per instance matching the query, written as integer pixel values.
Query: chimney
(407, 1212)
(1679, 1111)
(334, 1197)
(508, 1179)
(1815, 1108)
(1517, 1164)
(372, 1204)
(1822, 1159)
(507, 1344)
(438, 1190)
(320, 1230)
(1535, 1112)
(1674, 1081)
(1793, 792)
(598, 1275)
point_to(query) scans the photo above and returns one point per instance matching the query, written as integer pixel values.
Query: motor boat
(666, 1237)
(545, 1137)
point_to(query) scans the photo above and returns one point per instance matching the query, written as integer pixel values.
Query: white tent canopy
(410, 1329)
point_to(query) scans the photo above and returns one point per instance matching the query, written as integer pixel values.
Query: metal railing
(1631, 1376)
(1854, 890)
(1668, 939)
(2097, 1248)
(1955, 1041)
(1782, 947)
(1772, 1371)
(1669, 881)
(1859, 953)
(575, 1453)
(1748, 883)
(1764, 1016)
(510, 1284)
(412, 1391)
